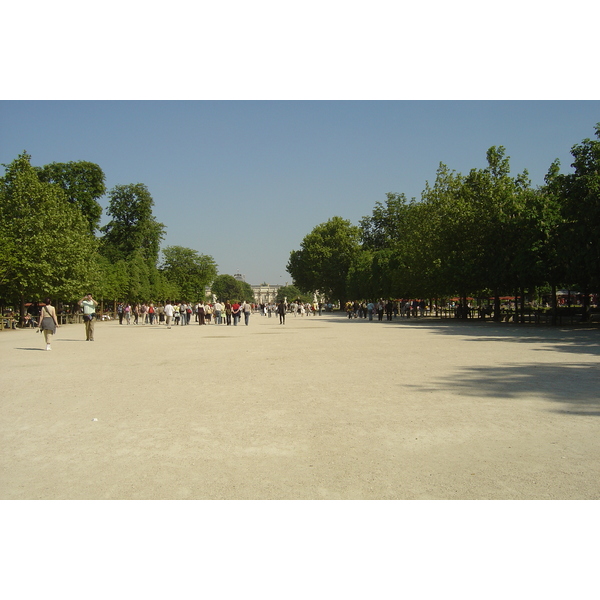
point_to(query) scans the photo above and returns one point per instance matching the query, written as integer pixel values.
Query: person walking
(370, 308)
(143, 313)
(151, 313)
(348, 308)
(218, 311)
(89, 314)
(389, 309)
(235, 312)
(48, 322)
(201, 314)
(228, 312)
(246, 309)
(281, 312)
(380, 310)
(208, 312)
(183, 314)
(168, 313)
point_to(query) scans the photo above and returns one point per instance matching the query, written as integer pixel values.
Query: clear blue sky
(245, 181)
(276, 117)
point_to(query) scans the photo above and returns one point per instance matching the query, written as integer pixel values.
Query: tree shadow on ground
(574, 340)
(574, 385)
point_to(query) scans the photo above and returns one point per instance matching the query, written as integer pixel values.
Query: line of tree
(485, 235)
(51, 242)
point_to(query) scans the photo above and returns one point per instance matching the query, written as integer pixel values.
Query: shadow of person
(39, 349)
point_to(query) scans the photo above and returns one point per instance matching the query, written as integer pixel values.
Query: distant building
(265, 293)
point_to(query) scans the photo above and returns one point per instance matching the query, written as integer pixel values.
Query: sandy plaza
(318, 408)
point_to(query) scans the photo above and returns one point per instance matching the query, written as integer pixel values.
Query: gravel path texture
(318, 408)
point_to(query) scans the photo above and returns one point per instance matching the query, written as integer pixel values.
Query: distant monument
(264, 293)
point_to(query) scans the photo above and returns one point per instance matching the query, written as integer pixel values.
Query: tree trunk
(497, 315)
(554, 305)
(22, 311)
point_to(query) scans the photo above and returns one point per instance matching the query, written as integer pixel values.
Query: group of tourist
(301, 309)
(228, 313)
(182, 313)
(389, 308)
(222, 313)
(169, 314)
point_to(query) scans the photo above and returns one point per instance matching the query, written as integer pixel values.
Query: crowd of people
(217, 313)
(222, 313)
(388, 308)
(226, 313)
(231, 313)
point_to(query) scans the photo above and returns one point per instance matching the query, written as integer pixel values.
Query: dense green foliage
(133, 227)
(227, 288)
(325, 257)
(46, 247)
(190, 271)
(484, 234)
(579, 195)
(290, 293)
(83, 184)
(247, 293)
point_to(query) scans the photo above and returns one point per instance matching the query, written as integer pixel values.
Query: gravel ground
(318, 408)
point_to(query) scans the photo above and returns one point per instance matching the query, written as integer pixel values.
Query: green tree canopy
(45, 243)
(225, 287)
(291, 292)
(83, 184)
(388, 237)
(133, 226)
(246, 292)
(228, 288)
(387, 225)
(191, 271)
(325, 257)
(580, 195)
